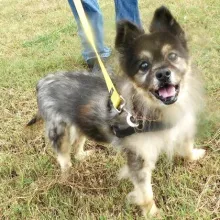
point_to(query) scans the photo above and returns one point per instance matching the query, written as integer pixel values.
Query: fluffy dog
(161, 90)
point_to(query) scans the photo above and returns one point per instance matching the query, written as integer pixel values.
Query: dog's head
(156, 62)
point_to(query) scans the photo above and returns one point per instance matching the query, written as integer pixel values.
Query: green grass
(37, 37)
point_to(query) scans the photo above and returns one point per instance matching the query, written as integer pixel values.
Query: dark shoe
(95, 68)
(93, 64)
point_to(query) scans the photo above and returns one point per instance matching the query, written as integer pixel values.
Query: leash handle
(115, 97)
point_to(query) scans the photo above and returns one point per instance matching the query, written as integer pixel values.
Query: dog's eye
(144, 66)
(172, 56)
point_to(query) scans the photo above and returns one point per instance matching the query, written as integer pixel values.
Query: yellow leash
(115, 97)
(117, 101)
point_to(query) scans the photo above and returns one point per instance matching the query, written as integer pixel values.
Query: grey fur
(74, 98)
(135, 164)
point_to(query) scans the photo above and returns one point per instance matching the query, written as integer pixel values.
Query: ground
(38, 37)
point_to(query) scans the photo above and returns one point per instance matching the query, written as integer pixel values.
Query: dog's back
(74, 99)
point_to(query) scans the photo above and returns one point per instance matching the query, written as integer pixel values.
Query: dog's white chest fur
(150, 144)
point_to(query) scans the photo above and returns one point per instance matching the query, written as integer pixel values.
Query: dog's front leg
(140, 175)
(193, 153)
(188, 151)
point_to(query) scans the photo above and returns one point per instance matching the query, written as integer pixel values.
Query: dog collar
(146, 126)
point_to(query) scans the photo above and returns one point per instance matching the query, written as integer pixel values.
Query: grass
(37, 37)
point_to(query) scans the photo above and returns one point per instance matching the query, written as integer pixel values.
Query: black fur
(127, 32)
(163, 21)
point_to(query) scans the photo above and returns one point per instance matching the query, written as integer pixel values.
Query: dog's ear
(126, 33)
(164, 21)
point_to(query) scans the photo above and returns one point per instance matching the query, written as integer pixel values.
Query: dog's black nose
(163, 75)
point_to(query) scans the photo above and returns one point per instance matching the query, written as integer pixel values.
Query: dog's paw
(65, 163)
(123, 173)
(65, 167)
(197, 154)
(132, 197)
(84, 154)
(148, 206)
(150, 209)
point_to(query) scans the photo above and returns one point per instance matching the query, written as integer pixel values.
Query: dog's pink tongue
(168, 91)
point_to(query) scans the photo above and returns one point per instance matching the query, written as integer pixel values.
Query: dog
(161, 90)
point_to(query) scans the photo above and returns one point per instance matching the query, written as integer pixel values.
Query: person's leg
(95, 18)
(127, 10)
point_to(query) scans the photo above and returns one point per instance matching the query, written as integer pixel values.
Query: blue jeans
(124, 9)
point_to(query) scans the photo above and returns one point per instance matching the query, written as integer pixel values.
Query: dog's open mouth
(167, 93)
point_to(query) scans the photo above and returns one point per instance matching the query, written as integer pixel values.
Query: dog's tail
(34, 120)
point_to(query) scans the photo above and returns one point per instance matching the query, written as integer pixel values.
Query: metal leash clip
(129, 118)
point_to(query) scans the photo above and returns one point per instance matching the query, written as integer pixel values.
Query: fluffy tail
(35, 119)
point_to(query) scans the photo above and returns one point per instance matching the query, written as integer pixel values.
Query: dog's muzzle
(167, 92)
